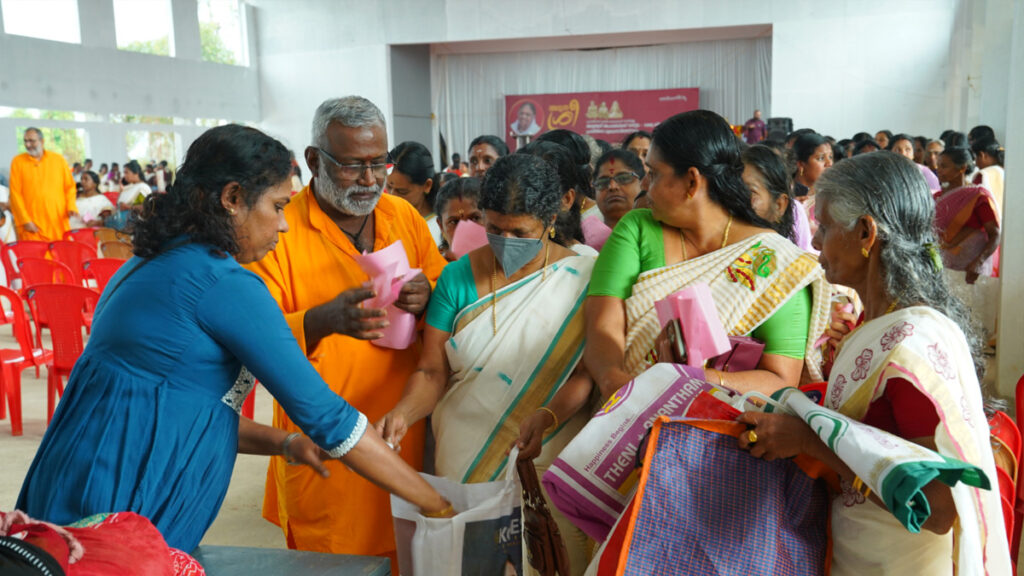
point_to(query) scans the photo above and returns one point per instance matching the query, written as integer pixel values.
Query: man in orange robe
(314, 277)
(42, 191)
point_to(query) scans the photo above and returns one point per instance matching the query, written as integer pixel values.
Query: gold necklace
(725, 238)
(892, 306)
(494, 280)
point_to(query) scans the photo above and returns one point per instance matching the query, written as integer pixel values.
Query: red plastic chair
(14, 361)
(74, 254)
(112, 196)
(85, 236)
(16, 251)
(101, 270)
(63, 306)
(41, 271)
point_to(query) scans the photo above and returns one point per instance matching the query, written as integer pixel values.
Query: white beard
(341, 199)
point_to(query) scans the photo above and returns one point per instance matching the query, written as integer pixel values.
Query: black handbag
(19, 558)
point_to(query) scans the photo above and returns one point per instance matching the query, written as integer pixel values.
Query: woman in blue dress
(149, 422)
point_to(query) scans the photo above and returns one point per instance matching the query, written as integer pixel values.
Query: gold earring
(551, 233)
(801, 171)
(232, 211)
(864, 251)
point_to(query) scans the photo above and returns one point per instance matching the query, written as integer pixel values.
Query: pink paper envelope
(595, 232)
(702, 328)
(468, 237)
(389, 270)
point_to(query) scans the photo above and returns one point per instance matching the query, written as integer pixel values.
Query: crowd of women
(526, 335)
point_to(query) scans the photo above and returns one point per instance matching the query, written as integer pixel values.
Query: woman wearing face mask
(504, 331)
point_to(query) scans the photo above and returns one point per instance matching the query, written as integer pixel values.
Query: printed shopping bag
(483, 539)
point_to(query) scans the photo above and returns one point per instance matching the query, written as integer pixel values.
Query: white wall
(96, 77)
(840, 66)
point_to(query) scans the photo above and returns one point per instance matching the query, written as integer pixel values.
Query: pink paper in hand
(698, 316)
(389, 270)
(468, 237)
(595, 232)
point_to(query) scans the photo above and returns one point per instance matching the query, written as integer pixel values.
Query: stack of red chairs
(64, 307)
(14, 361)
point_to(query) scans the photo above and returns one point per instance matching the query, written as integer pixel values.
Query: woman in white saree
(503, 340)
(904, 379)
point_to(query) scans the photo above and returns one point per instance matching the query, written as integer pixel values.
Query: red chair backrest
(43, 271)
(63, 305)
(22, 329)
(112, 196)
(101, 270)
(74, 254)
(29, 249)
(10, 269)
(86, 236)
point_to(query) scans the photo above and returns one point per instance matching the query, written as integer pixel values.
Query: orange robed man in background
(313, 275)
(42, 191)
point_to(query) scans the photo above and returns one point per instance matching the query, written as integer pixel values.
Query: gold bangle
(721, 379)
(861, 487)
(553, 417)
(440, 513)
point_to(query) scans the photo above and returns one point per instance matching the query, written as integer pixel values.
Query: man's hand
(345, 316)
(31, 227)
(414, 295)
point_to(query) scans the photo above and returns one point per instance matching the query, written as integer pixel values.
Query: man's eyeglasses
(354, 171)
(622, 179)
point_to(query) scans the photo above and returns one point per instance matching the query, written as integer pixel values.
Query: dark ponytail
(703, 140)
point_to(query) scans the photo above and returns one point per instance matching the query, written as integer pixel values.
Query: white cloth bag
(484, 538)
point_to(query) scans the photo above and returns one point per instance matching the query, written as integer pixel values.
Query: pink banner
(608, 116)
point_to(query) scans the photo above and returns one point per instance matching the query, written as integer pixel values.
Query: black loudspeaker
(784, 125)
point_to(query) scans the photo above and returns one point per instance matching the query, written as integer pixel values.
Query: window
(71, 143)
(144, 26)
(147, 147)
(50, 20)
(220, 31)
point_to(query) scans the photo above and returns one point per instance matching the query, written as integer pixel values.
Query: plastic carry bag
(484, 538)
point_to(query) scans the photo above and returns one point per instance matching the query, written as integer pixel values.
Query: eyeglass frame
(610, 178)
(359, 168)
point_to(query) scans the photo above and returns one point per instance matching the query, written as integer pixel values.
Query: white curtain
(734, 78)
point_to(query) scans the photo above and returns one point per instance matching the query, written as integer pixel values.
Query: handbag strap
(533, 498)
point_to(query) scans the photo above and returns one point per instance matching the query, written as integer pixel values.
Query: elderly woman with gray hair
(907, 377)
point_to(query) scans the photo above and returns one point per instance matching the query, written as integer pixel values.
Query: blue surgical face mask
(513, 253)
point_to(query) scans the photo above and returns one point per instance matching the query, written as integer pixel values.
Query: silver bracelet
(287, 442)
